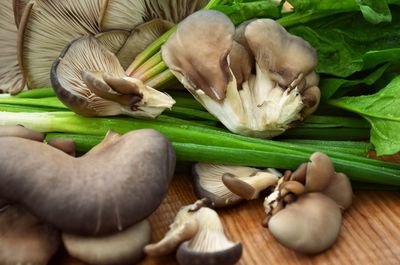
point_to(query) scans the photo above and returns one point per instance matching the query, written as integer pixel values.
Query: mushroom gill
(46, 28)
(11, 78)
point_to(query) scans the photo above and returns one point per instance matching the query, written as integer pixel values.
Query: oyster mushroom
(18, 8)
(305, 210)
(46, 28)
(99, 193)
(113, 40)
(282, 89)
(125, 247)
(89, 80)
(11, 77)
(20, 131)
(309, 225)
(203, 237)
(24, 239)
(127, 15)
(229, 185)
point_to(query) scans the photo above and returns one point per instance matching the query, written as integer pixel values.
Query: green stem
(37, 93)
(162, 80)
(146, 66)
(52, 102)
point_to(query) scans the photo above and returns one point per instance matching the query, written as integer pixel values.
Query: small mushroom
(228, 185)
(11, 77)
(110, 188)
(24, 239)
(125, 247)
(257, 80)
(203, 237)
(90, 80)
(65, 145)
(305, 210)
(309, 225)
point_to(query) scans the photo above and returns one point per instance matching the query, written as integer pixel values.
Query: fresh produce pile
(232, 84)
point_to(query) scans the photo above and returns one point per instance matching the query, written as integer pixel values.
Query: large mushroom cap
(197, 52)
(49, 25)
(11, 78)
(89, 79)
(118, 183)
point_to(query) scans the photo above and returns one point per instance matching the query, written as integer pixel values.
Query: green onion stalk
(206, 144)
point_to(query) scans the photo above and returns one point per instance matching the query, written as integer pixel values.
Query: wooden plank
(370, 232)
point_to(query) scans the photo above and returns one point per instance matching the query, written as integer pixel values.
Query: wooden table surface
(370, 232)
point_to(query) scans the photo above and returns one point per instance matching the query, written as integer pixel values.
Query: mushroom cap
(11, 78)
(319, 172)
(207, 180)
(48, 26)
(24, 239)
(186, 256)
(201, 64)
(125, 247)
(279, 52)
(340, 190)
(141, 37)
(110, 188)
(309, 225)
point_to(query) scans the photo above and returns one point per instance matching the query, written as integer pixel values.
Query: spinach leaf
(331, 86)
(242, 10)
(308, 10)
(348, 44)
(382, 111)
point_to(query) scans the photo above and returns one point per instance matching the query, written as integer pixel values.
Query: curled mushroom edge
(258, 80)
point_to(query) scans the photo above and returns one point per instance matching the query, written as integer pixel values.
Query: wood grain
(370, 232)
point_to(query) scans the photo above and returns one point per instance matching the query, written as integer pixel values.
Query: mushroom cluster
(257, 79)
(95, 201)
(198, 237)
(304, 212)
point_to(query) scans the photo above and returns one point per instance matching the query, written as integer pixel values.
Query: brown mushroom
(309, 225)
(24, 239)
(257, 81)
(11, 78)
(305, 210)
(20, 131)
(125, 247)
(90, 80)
(110, 188)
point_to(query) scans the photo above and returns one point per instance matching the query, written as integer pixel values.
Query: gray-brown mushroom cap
(20, 131)
(125, 247)
(309, 225)
(203, 64)
(11, 78)
(122, 181)
(24, 239)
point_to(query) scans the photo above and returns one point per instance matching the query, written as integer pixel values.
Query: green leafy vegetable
(383, 112)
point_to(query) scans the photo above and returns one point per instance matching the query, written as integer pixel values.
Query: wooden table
(370, 232)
